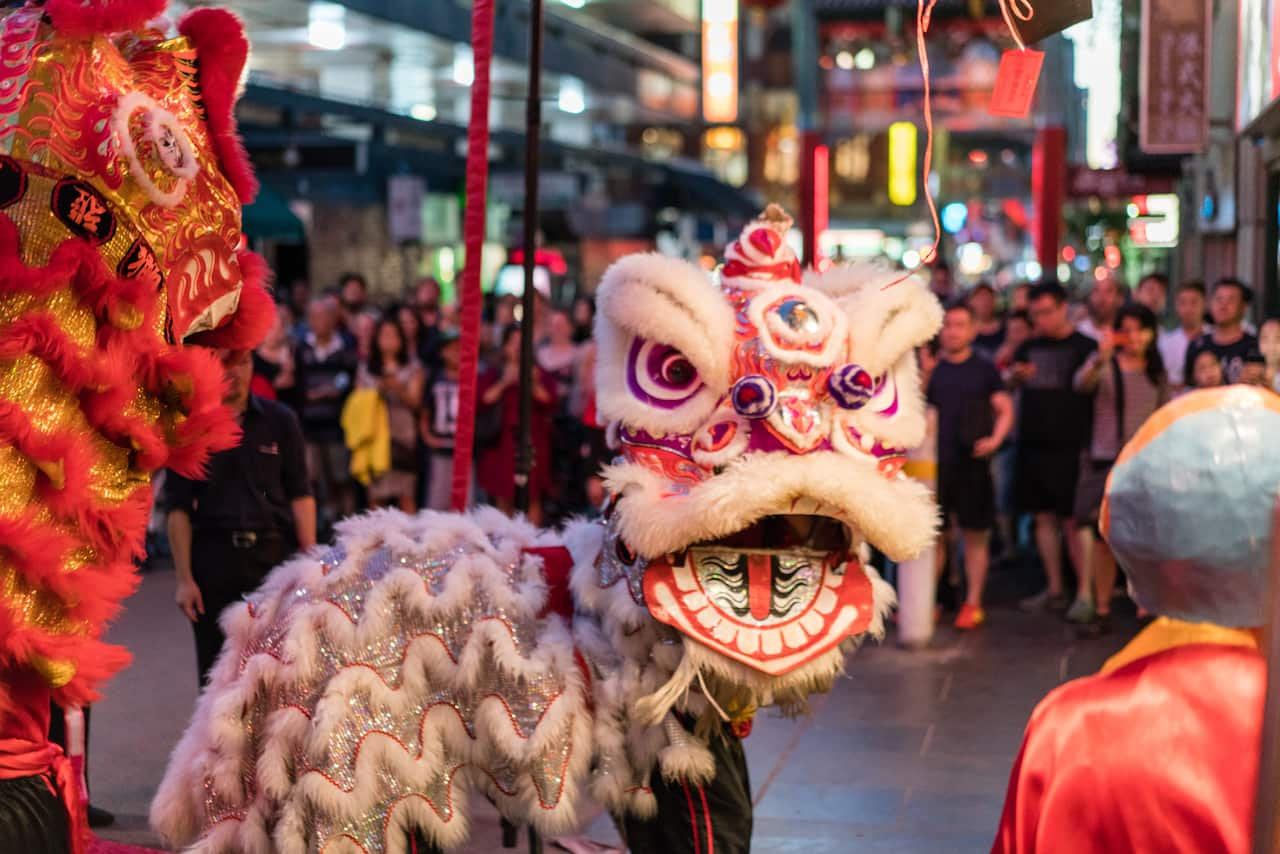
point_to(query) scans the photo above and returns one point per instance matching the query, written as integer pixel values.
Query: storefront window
(724, 152)
(661, 143)
(782, 156)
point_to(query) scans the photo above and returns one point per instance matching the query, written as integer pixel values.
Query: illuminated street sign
(720, 60)
(1153, 220)
(902, 163)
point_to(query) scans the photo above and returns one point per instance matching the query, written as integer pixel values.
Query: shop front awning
(269, 218)
(698, 191)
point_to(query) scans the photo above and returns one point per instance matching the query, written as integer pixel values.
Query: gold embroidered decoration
(17, 482)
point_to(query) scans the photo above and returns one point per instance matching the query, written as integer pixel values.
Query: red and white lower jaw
(842, 607)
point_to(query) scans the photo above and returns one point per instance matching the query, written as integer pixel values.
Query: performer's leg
(32, 818)
(58, 733)
(692, 819)
(224, 575)
(217, 570)
(418, 844)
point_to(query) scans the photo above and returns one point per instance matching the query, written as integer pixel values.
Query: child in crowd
(438, 423)
(1017, 329)
(1207, 370)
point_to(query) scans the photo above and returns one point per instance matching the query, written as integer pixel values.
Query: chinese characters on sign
(83, 210)
(1174, 115)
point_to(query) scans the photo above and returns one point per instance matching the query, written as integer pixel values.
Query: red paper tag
(1016, 83)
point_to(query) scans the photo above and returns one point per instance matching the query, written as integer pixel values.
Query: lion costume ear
(220, 43)
(889, 314)
(85, 18)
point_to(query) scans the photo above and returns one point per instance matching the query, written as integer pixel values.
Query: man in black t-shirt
(1235, 348)
(1053, 427)
(252, 510)
(975, 415)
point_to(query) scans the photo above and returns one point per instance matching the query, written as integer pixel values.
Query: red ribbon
(781, 270)
(470, 297)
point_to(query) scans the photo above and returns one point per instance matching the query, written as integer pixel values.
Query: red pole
(1048, 192)
(809, 192)
(470, 297)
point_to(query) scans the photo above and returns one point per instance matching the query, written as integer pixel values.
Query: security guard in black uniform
(254, 510)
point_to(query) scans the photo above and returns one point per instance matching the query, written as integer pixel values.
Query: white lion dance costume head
(760, 424)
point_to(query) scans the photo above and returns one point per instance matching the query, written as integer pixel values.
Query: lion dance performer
(1160, 751)
(760, 423)
(121, 184)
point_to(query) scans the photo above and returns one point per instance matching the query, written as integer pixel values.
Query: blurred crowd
(1033, 390)
(1033, 395)
(333, 355)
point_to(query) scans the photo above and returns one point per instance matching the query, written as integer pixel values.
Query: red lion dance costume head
(121, 185)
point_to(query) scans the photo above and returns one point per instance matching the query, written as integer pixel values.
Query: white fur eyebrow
(673, 302)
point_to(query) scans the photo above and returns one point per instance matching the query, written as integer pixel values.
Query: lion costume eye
(660, 375)
(677, 371)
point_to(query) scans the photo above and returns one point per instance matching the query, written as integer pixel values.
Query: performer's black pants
(225, 573)
(32, 818)
(714, 818)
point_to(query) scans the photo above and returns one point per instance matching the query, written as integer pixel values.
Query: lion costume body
(760, 424)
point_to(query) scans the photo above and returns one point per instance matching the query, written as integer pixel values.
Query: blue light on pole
(954, 216)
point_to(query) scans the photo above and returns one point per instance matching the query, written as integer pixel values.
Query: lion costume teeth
(759, 424)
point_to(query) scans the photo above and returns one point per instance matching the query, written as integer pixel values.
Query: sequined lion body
(760, 423)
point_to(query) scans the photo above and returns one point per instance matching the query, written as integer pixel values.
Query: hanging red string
(470, 296)
(1020, 9)
(1010, 9)
(924, 16)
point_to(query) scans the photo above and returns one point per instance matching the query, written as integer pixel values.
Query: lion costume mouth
(773, 596)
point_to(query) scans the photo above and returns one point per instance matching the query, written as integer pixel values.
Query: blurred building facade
(355, 114)
(668, 122)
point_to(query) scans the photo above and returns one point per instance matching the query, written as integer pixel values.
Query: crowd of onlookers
(1034, 401)
(328, 347)
(1034, 393)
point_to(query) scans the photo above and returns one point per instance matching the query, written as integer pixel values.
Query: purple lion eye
(660, 375)
(677, 371)
(851, 386)
(754, 397)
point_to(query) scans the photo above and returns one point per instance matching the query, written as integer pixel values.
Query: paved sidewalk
(910, 753)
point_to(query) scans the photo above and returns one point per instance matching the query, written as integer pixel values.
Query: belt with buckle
(244, 539)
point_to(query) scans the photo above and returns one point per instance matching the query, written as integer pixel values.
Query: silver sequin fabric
(382, 686)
